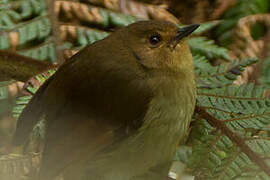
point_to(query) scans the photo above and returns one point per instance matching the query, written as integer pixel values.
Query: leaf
(241, 107)
(204, 27)
(95, 15)
(88, 36)
(246, 112)
(45, 51)
(35, 30)
(209, 76)
(31, 89)
(201, 45)
(140, 10)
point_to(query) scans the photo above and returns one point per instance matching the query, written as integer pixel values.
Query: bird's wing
(31, 114)
(73, 138)
(87, 107)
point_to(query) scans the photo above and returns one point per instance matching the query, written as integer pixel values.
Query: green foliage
(215, 156)
(203, 46)
(205, 27)
(28, 21)
(209, 76)
(13, 12)
(231, 17)
(25, 27)
(246, 112)
(210, 154)
(244, 107)
(111, 18)
(38, 29)
(258, 30)
(88, 36)
(31, 89)
(45, 51)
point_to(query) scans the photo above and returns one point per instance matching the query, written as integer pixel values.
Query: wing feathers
(31, 114)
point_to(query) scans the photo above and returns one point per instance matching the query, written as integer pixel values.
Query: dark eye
(154, 40)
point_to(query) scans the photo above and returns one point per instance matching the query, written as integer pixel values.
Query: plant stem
(234, 138)
(20, 68)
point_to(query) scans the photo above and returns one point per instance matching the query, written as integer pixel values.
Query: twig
(234, 138)
(18, 67)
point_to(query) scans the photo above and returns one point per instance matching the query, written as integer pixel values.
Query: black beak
(185, 31)
(182, 33)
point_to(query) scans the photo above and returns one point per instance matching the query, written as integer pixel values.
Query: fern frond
(137, 9)
(201, 45)
(244, 111)
(45, 51)
(215, 156)
(209, 76)
(35, 30)
(13, 12)
(204, 27)
(8, 19)
(94, 15)
(33, 85)
(80, 35)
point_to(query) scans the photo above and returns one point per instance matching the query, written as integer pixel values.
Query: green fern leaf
(246, 112)
(45, 51)
(209, 76)
(205, 27)
(89, 36)
(21, 102)
(203, 46)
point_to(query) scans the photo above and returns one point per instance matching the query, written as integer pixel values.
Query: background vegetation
(229, 137)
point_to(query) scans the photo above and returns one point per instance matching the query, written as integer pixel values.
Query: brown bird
(117, 109)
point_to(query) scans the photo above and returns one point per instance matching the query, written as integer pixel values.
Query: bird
(117, 109)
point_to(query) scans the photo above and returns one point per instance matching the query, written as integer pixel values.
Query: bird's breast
(167, 120)
(165, 124)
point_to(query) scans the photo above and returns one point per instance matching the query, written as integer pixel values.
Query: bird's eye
(155, 40)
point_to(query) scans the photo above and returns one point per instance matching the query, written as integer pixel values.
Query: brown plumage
(118, 108)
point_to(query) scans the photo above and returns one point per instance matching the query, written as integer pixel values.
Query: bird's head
(159, 45)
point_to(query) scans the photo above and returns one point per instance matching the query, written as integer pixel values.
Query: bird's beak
(183, 32)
